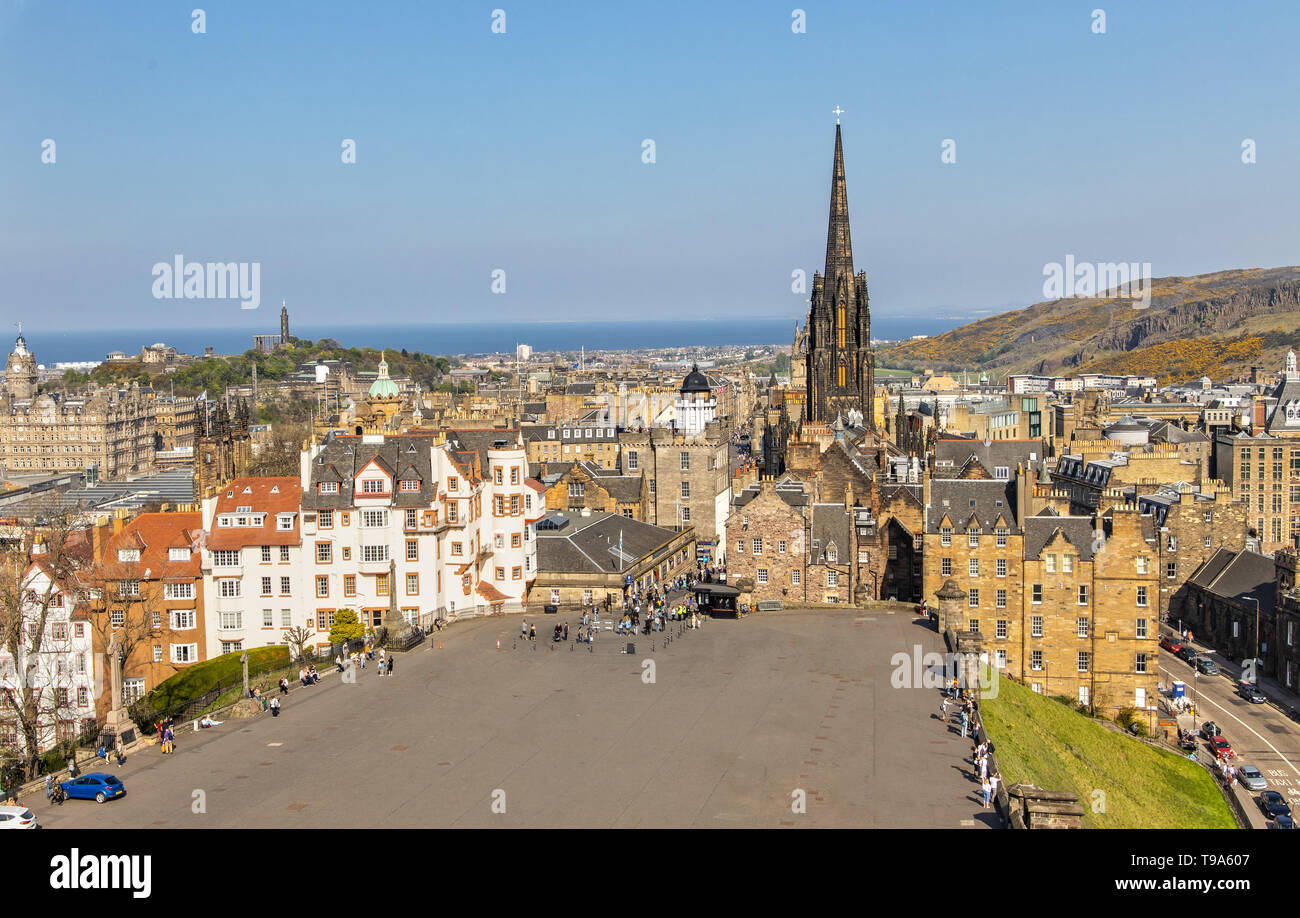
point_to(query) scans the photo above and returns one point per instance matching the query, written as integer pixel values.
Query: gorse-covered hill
(1210, 324)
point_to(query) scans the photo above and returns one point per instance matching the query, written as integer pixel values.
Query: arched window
(839, 332)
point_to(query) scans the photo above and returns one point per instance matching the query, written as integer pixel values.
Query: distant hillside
(1211, 324)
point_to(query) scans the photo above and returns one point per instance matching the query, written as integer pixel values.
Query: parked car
(1187, 654)
(98, 786)
(1274, 804)
(1251, 694)
(1282, 822)
(1206, 667)
(1188, 742)
(1251, 778)
(1173, 645)
(1209, 729)
(1222, 748)
(16, 817)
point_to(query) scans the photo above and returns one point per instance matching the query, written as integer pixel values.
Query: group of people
(966, 706)
(307, 676)
(166, 736)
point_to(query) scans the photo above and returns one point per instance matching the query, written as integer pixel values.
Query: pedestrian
(380, 668)
(49, 786)
(121, 755)
(532, 633)
(566, 631)
(390, 666)
(987, 788)
(284, 684)
(943, 708)
(963, 724)
(275, 707)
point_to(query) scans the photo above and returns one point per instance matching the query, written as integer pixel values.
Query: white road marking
(281, 744)
(968, 822)
(1205, 699)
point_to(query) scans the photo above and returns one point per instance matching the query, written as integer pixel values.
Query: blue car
(98, 786)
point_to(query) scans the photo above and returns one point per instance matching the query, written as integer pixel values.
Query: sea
(84, 345)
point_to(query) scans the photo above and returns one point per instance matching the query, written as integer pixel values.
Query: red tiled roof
(271, 496)
(491, 593)
(154, 534)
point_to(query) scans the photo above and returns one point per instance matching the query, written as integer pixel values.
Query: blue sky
(522, 151)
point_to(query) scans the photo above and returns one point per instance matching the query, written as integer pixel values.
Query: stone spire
(839, 247)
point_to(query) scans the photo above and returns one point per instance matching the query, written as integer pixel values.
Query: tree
(38, 592)
(281, 453)
(346, 627)
(299, 640)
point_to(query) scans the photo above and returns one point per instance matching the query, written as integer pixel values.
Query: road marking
(1205, 699)
(275, 744)
(967, 822)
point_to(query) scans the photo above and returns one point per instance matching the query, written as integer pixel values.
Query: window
(1036, 626)
(175, 591)
(232, 621)
(831, 554)
(945, 536)
(758, 546)
(456, 548)
(1000, 598)
(286, 584)
(182, 619)
(975, 625)
(1143, 563)
(1036, 660)
(1001, 567)
(83, 696)
(181, 653)
(374, 519)
(1141, 628)
(412, 518)
(325, 519)
(514, 474)
(1000, 534)
(762, 575)
(1173, 539)
(374, 486)
(1001, 628)
(686, 461)
(322, 586)
(132, 690)
(1171, 570)
(268, 619)
(973, 567)
(686, 490)
(266, 554)
(631, 461)
(284, 522)
(452, 483)
(225, 558)
(376, 552)
(686, 514)
(324, 552)
(1036, 593)
(128, 555)
(973, 599)
(1083, 594)
(349, 584)
(1067, 564)
(412, 584)
(1049, 564)
(381, 584)
(832, 579)
(412, 550)
(794, 578)
(973, 537)
(500, 573)
(266, 586)
(1084, 659)
(1082, 627)
(228, 587)
(1141, 596)
(329, 487)
(178, 554)
(945, 566)
(1141, 663)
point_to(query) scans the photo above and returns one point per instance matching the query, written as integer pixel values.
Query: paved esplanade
(741, 713)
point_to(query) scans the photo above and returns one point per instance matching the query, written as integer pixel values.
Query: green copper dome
(383, 387)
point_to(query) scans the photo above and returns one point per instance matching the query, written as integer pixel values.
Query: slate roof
(1246, 576)
(831, 525)
(963, 499)
(991, 454)
(788, 489)
(341, 458)
(1039, 531)
(590, 544)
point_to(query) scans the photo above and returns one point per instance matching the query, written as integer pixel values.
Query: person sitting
(207, 721)
(313, 675)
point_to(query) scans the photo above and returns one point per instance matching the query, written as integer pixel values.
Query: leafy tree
(346, 627)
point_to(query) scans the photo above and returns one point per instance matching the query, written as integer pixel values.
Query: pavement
(742, 719)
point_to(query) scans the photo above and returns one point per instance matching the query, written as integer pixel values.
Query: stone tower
(222, 448)
(20, 371)
(284, 324)
(841, 368)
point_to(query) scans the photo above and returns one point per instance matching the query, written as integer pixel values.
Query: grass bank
(1045, 743)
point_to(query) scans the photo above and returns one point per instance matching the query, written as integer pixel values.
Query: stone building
(585, 485)
(222, 448)
(113, 429)
(20, 371)
(594, 442)
(1228, 597)
(837, 359)
(174, 422)
(688, 480)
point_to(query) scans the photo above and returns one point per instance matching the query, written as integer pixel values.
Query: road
(1260, 735)
(742, 719)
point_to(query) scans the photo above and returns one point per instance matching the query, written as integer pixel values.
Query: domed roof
(695, 381)
(383, 387)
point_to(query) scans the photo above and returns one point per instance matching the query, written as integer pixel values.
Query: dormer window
(410, 484)
(373, 486)
(128, 555)
(329, 487)
(284, 522)
(178, 554)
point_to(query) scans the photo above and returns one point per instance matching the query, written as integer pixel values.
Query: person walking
(275, 707)
(987, 788)
(964, 723)
(943, 708)
(390, 665)
(49, 787)
(284, 684)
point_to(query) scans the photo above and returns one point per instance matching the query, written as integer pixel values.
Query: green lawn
(226, 669)
(1043, 742)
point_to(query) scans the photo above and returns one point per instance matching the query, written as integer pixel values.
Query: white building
(63, 672)
(695, 405)
(255, 580)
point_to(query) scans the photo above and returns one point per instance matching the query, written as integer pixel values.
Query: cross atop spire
(837, 111)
